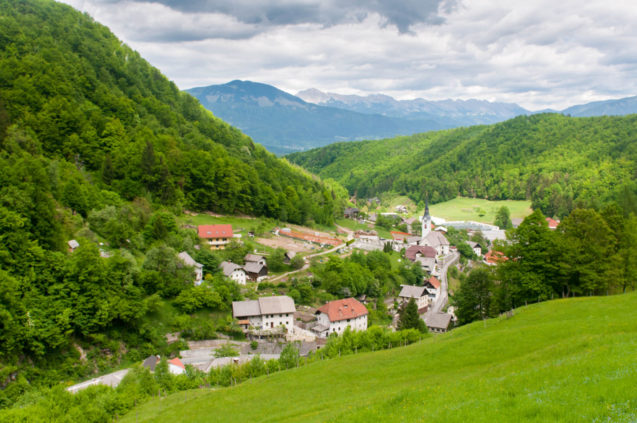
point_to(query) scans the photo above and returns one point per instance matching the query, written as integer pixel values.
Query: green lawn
(462, 208)
(567, 360)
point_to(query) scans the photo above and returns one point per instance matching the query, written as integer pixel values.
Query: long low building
(266, 313)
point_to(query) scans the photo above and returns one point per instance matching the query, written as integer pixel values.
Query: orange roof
(434, 282)
(347, 308)
(177, 362)
(494, 257)
(552, 223)
(215, 231)
(317, 239)
(396, 235)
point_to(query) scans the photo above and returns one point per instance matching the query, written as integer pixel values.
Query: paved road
(350, 236)
(444, 286)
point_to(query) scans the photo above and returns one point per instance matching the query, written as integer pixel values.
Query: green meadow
(567, 360)
(479, 210)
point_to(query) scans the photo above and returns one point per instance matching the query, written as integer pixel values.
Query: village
(270, 319)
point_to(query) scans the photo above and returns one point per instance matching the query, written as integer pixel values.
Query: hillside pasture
(566, 360)
(479, 210)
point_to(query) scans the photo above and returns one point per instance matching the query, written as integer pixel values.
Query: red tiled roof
(397, 235)
(425, 250)
(494, 257)
(434, 282)
(177, 362)
(215, 231)
(347, 308)
(317, 239)
(552, 223)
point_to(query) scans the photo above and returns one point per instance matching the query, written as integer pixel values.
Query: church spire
(426, 207)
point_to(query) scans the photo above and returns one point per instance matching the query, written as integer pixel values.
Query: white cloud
(537, 54)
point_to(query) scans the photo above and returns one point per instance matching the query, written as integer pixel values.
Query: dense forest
(558, 162)
(97, 145)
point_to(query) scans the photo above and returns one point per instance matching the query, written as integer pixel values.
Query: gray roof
(410, 291)
(253, 258)
(438, 320)
(246, 308)
(151, 362)
(435, 239)
(290, 254)
(494, 235)
(264, 305)
(277, 305)
(73, 243)
(188, 261)
(227, 267)
(472, 244)
(253, 267)
(426, 261)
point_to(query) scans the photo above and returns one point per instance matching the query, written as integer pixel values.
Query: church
(434, 239)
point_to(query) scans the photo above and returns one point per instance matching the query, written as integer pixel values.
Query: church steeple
(426, 221)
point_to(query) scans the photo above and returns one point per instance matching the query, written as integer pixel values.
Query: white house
(176, 367)
(198, 267)
(418, 293)
(266, 313)
(233, 271)
(337, 315)
(254, 258)
(475, 247)
(432, 286)
(73, 244)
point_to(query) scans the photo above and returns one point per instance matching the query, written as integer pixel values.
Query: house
(438, 241)
(428, 264)
(255, 271)
(415, 251)
(265, 313)
(373, 200)
(432, 286)
(516, 221)
(151, 362)
(351, 212)
(438, 322)
(552, 223)
(73, 244)
(398, 236)
(477, 250)
(289, 255)
(176, 367)
(198, 267)
(337, 315)
(418, 293)
(218, 236)
(234, 272)
(494, 257)
(401, 209)
(372, 217)
(254, 258)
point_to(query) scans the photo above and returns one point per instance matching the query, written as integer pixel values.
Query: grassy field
(566, 360)
(479, 210)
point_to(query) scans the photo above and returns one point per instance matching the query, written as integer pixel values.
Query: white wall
(271, 321)
(239, 276)
(359, 323)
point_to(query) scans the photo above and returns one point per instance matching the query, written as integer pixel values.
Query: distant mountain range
(285, 123)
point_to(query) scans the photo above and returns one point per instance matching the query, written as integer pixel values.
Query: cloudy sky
(537, 53)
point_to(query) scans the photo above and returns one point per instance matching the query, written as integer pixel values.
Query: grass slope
(565, 360)
(463, 208)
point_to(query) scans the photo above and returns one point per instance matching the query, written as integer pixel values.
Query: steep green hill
(556, 161)
(97, 145)
(565, 360)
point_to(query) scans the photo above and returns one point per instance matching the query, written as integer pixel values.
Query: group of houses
(255, 269)
(271, 316)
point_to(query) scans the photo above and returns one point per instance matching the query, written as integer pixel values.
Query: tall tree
(473, 299)
(409, 318)
(503, 218)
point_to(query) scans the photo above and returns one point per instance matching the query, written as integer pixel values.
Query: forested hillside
(98, 145)
(558, 162)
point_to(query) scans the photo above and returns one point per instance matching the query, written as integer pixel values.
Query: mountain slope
(622, 106)
(556, 161)
(564, 360)
(284, 123)
(449, 113)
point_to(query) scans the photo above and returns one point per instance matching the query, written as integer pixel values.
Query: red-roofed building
(552, 223)
(175, 366)
(216, 235)
(494, 257)
(399, 236)
(432, 285)
(337, 315)
(415, 251)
